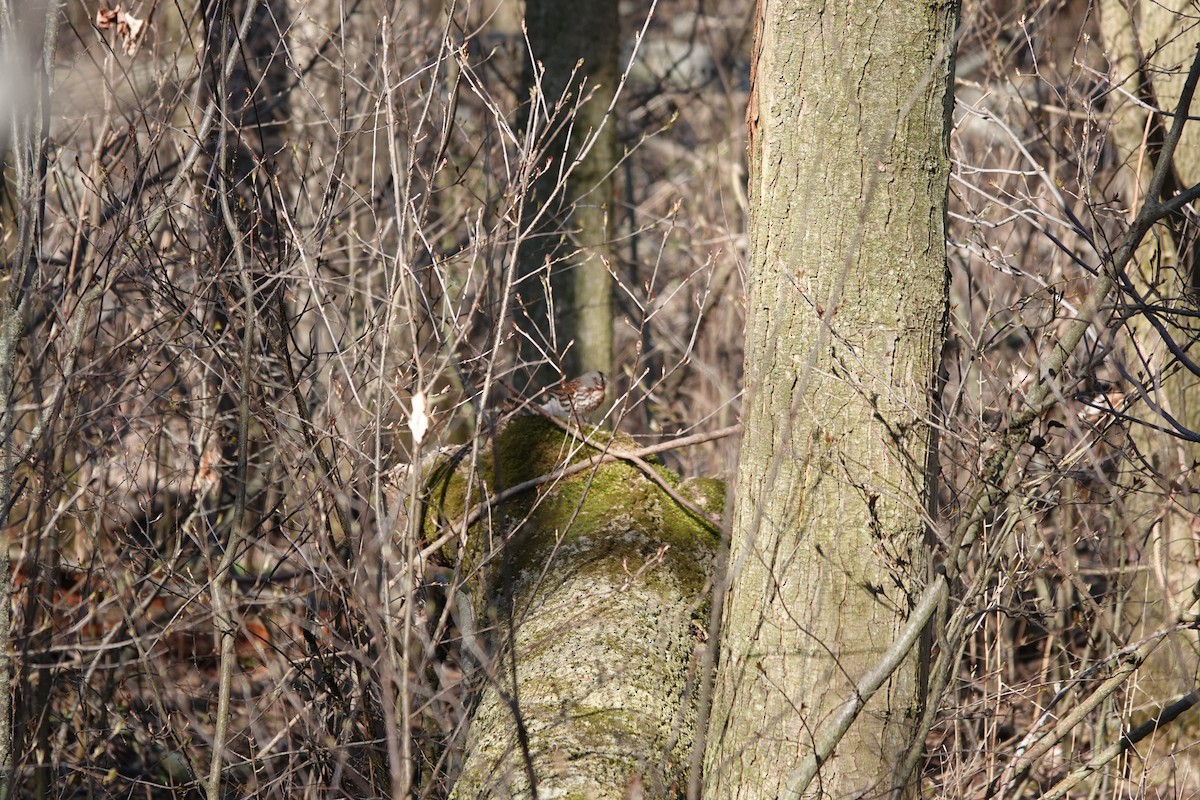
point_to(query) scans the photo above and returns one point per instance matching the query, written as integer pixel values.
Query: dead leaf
(129, 27)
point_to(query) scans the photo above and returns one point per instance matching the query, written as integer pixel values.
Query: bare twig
(830, 733)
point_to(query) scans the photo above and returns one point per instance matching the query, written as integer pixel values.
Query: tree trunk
(576, 43)
(28, 40)
(848, 125)
(596, 598)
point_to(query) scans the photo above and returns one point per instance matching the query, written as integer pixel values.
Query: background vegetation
(262, 270)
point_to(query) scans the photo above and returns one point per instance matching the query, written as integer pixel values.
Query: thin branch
(830, 733)
(1043, 395)
(1123, 745)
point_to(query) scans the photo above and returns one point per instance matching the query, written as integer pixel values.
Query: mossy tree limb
(592, 586)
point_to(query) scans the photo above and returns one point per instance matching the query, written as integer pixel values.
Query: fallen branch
(453, 530)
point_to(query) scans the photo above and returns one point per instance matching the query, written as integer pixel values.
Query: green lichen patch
(610, 516)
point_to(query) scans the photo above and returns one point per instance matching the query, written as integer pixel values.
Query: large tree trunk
(589, 612)
(848, 142)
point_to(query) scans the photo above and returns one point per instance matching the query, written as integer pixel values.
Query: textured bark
(1151, 46)
(848, 124)
(595, 610)
(576, 43)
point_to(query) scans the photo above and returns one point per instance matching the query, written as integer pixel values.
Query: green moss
(605, 518)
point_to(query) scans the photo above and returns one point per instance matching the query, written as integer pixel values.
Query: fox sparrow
(578, 397)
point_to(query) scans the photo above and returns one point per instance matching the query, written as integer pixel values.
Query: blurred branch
(1044, 394)
(1122, 745)
(1026, 756)
(995, 480)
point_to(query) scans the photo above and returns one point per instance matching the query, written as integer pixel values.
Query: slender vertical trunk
(28, 38)
(576, 43)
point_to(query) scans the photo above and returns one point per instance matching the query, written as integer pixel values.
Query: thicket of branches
(263, 258)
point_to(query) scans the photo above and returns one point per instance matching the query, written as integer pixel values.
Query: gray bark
(847, 300)
(585, 651)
